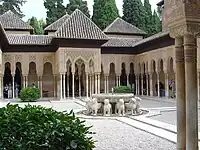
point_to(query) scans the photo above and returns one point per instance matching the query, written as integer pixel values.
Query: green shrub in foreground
(123, 89)
(30, 94)
(38, 128)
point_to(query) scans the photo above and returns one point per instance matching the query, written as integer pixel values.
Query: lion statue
(93, 106)
(131, 105)
(120, 108)
(138, 100)
(107, 107)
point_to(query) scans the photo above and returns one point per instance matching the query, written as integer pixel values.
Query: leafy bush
(123, 89)
(38, 128)
(30, 94)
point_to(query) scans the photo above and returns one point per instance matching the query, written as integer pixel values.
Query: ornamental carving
(32, 58)
(18, 58)
(47, 59)
(7, 58)
(86, 55)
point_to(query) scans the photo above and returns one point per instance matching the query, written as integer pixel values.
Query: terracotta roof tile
(29, 39)
(55, 25)
(9, 20)
(123, 27)
(79, 26)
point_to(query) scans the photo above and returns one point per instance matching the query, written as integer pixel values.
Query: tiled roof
(29, 39)
(55, 25)
(120, 42)
(9, 20)
(123, 27)
(79, 26)
(153, 37)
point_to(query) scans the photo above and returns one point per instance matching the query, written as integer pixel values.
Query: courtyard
(155, 130)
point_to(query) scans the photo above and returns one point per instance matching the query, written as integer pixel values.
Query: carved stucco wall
(25, 58)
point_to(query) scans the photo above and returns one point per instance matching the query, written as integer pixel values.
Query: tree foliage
(134, 13)
(55, 10)
(157, 26)
(13, 5)
(104, 12)
(148, 17)
(78, 4)
(38, 25)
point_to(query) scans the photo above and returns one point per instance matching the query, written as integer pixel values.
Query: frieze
(47, 59)
(7, 58)
(86, 55)
(32, 58)
(18, 58)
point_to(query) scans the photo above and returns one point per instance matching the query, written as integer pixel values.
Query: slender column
(96, 82)
(61, 88)
(127, 78)
(119, 83)
(90, 85)
(180, 97)
(105, 84)
(64, 88)
(190, 49)
(93, 77)
(73, 96)
(142, 85)
(54, 87)
(26, 80)
(198, 80)
(79, 85)
(107, 80)
(1, 86)
(67, 84)
(151, 83)
(87, 89)
(116, 79)
(158, 81)
(166, 85)
(41, 87)
(99, 84)
(13, 86)
(136, 84)
(147, 83)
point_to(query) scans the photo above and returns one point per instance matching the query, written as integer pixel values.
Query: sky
(36, 8)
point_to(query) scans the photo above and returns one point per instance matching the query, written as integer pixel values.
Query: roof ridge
(66, 15)
(72, 15)
(110, 25)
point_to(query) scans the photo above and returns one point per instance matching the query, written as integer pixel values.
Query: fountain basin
(113, 98)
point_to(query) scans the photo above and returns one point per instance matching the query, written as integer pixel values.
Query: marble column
(119, 82)
(190, 51)
(1, 96)
(93, 84)
(142, 85)
(96, 83)
(41, 91)
(116, 79)
(90, 85)
(198, 80)
(151, 83)
(99, 84)
(158, 85)
(79, 85)
(64, 87)
(166, 85)
(68, 84)
(87, 86)
(107, 81)
(73, 94)
(137, 85)
(2, 87)
(61, 87)
(147, 83)
(180, 95)
(24, 81)
(13, 86)
(54, 87)
(105, 84)
(127, 78)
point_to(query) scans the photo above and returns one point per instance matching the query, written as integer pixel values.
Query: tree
(134, 13)
(148, 17)
(13, 5)
(55, 10)
(78, 4)
(157, 26)
(37, 25)
(104, 12)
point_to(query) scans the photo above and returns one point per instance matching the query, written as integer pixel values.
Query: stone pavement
(122, 133)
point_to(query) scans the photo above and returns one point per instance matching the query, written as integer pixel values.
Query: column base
(181, 148)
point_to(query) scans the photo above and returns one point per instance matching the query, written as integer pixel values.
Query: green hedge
(30, 94)
(38, 128)
(123, 89)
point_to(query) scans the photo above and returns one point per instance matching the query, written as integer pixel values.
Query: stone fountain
(112, 104)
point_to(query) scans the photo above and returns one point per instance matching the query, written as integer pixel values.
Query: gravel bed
(114, 135)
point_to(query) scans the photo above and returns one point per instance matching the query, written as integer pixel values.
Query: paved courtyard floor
(122, 133)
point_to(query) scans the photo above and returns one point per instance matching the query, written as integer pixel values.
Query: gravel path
(114, 135)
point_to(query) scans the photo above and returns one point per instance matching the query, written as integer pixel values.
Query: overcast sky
(36, 8)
